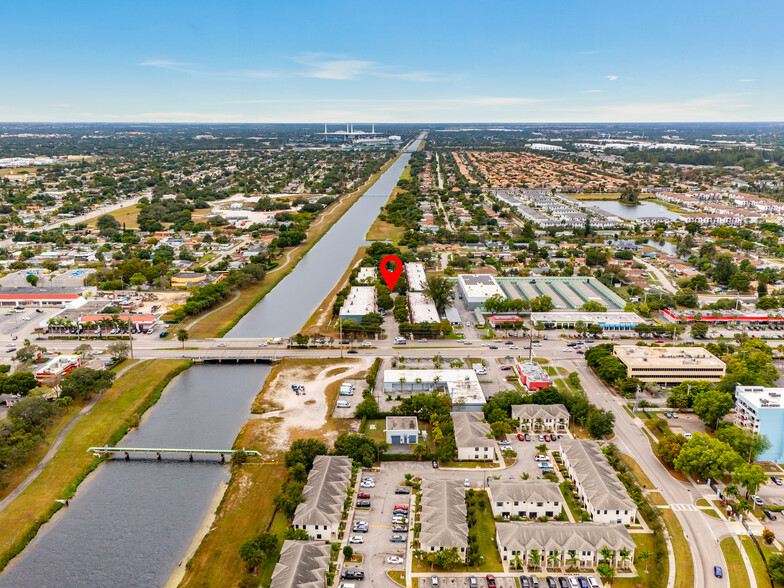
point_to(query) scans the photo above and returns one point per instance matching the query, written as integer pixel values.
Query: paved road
(702, 532)
(663, 279)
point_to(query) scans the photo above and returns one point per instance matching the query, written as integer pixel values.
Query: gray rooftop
(525, 491)
(601, 485)
(539, 411)
(564, 537)
(470, 431)
(443, 514)
(402, 423)
(325, 491)
(302, 564)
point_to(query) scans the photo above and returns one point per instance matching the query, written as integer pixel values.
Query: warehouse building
(402, 430)
(417, 280)
(669, 366)
(422, 309)
(361, 300)
(476, 289)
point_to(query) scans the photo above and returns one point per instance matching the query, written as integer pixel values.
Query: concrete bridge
(158, 451)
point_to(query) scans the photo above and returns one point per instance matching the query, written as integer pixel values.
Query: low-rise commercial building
(532, 375)
(361, 300)
(596, 483)
(422, 309)
(528, 499)
(402, 430)
(760, 409)
(541, 417)
(476, 289)
(57, 368)
(669, 366)
(366, 275)
(417, 280)
(609, 321)
(461, 385)
(569, 544)
(472, 437)
(302, 564)
(443, 516)
(324, 494)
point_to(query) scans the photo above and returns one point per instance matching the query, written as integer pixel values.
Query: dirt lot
(288, 416)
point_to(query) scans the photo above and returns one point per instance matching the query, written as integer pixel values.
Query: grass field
(760, 570)
(643, 542)
(126, 216)
(218, 323)
(736, 569)
(642, 479)
(243, 513)
(684, 575)
(384, 231)
(118, 409)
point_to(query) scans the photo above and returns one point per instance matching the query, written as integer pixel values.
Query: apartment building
(528, 499)
(324, 494)
(302, 564)
(472, 437)
(541, 417)
(602, 493)
(669, 366)
(443, 516)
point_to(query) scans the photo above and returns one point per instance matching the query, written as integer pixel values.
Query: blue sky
(334, 61)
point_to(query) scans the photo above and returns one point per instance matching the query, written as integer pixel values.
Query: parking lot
(23, 322)
(376, 546)
(463, 581)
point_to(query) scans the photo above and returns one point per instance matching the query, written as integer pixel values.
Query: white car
(394, 560)
(593, 582)
(756, 500)
(504, 442)
(356, 539)
(367, 485)
(540, 457)
(513, 347)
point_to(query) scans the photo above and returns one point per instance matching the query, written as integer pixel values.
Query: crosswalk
(683, 507)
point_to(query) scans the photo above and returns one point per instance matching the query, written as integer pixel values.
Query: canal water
(130, 523)
(283, 311)
(643, 209)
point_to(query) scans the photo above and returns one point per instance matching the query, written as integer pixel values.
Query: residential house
(324, 493)
(528, 499)
(443, 516)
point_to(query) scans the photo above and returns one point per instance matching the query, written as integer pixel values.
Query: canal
(633, 212)
(131, 523)
(290, 304)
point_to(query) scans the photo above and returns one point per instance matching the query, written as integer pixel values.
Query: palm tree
(182, 336)
(644, 555)
(607, 554)
(554, 558)
(517, 562)
(624, 555)
(573, 559)
(535, 556)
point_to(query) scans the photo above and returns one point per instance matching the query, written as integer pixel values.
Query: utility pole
(130, 335)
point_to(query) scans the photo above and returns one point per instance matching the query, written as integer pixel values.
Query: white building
(361, 300)
(402, 430)
(322, 509)
(461, 385)
(417, 280)
(759, 409)
(366, 275)
(422, 308)
(476, 289)
(472, 437)
(528, 499)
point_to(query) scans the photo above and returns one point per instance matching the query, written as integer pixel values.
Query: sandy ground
(308, 412)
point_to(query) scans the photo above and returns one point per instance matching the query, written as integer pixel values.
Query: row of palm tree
(554, 559)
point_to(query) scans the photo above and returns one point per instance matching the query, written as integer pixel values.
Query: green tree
(32, 279)
(712, 405)
(669, 448)
(446, 559)
(750, 477)
(304, 451)
(84, 383)
(747, 443)
(600, 422)
(19, 383)
(118, 350)
(542, 303)
(593, 306)
(441, 290)
(699, 330)
(182, 336)
(348, 552)
(33, 412)
(707, 457)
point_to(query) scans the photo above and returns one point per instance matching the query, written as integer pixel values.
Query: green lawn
(760, 570)
(643, 542)
(735, 566)
(571, 501)
(684, 575)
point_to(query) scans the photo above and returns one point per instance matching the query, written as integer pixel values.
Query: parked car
(550, 582)
(520, 437)
(547, 438)
(394, 559)
(472, 583)
(351, 351)
(593, 582)
(400, 529)
(466, 483)
(363, 495)
(356, 539)
(493, 346)
(352, 575)
(402, 490)
(400, 512)
(435, 467)
(769, 514)
(527, 437)
(524, 583)
(583, 582)
(540, 457)
(397, 539)
(401, 506)
(360, 528)
(563, 582)
(756, 500)
(776, 480)
(490, 580)
(434, 580)
(363, 504)
(504, 442)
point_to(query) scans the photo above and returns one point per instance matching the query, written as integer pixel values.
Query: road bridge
(158, 451)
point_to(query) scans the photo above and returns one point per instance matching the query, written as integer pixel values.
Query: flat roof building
(417, 280)
(596, 483)
(402, 430)
(669, 366)
(532, 375)
(422, 308)
(476, 289)
(324, 494)
(302, 564)
(611, 321)
(361, 300)
(760, 409)
(57, 368)
(461, 385)
(472, 437)
(366, 275)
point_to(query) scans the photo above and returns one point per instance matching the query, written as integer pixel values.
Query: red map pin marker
(391, 277)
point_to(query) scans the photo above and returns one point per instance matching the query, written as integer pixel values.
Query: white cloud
(170, 65)
(611, 78)
(327, 66)
(747, 80)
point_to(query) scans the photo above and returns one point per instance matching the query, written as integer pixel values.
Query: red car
(520, 437)
(490, 581)
(660, 341)
(363, 495)
(401, 507)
